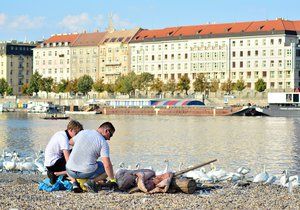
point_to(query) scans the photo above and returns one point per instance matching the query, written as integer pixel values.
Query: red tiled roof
(89, 39)
(225, 28)
(62, 38)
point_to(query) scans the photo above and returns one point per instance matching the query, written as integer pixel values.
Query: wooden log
(183, 185)
(178, 173)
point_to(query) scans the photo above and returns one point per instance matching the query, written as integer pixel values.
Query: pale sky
(37, 19)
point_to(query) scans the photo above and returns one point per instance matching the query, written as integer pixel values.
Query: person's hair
(74, 125)
(107, 125)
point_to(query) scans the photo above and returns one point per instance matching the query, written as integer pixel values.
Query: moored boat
(283, 105)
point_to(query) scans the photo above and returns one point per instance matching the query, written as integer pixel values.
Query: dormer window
(170, 33)
(199, 31)
(228, 29)
(260, 28)
(136, 38)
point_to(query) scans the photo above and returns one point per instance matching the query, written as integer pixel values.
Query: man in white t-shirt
(57, 151)
(89, 145)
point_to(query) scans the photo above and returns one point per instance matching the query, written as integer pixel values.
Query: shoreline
(21, 191)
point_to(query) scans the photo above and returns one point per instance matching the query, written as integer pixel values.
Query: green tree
(125, 83)
(24, 89)
(143, 81)
(157, 85)
(46, 84)
(260, 85)
(72, 87)
(99, 86)
(227, 86)
(240, 85)
(9, 91)
(85, 84)
(62, 86)
(34, 83)
(109, 88)
(200, 84)
(184, 84)
(3, 86)
(214, 85)
(170, 86)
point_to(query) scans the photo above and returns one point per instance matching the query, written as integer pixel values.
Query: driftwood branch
(178, 173)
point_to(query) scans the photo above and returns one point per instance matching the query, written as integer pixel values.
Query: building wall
(54, 61)
(16, 64)
(85, 60)
(270, 57)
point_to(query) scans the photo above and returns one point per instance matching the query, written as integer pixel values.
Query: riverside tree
(72, 87)
(98, 86)
(200, 84)
(143, 81)
(184, 84)
(46, 84)
(260, 85)
(85, 84)
(239, 85)
(34, 83)
(170, 86)
(214, 85)
(3, 86)
(125, 83)
(157, 85)
(24, 89)
(227, 86)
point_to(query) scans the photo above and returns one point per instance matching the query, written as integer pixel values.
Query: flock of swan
(11, 161)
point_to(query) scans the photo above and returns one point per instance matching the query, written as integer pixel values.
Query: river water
(149, 140)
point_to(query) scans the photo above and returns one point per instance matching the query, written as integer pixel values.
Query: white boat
(283, 105)
(81, 112)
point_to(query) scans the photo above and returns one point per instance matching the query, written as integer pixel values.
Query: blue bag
(60, 184)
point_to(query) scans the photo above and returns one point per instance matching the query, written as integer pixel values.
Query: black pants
(59, 165)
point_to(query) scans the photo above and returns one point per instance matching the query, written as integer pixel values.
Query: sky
(35, 20)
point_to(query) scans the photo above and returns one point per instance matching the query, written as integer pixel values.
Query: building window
(241, 64)
(264, 74)
(249, 53)
(233, 54)
(241, 53)
(233, 64)
(256, 52)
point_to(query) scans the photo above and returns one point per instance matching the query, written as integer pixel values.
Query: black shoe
(52, 177)
(76, 188)
(91, 186)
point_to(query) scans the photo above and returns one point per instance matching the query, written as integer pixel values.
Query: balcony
(114, 63)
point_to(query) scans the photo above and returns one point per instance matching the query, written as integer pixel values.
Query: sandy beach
(20, 191)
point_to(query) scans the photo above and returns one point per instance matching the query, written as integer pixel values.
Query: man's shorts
(82, 175)
(59, 165)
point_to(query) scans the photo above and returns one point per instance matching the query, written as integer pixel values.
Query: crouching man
(57, 151)
(89, 145)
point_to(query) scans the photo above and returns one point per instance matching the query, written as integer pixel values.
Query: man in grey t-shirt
(89, 145)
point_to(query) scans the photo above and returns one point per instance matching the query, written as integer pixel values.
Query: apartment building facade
(85, 55)
(16, 63)
(247, 50)
(114, 57)
(52, 58)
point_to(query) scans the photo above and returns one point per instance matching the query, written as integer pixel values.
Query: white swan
(199, 175)
(165, 170)
(216, 174)
(261, 177)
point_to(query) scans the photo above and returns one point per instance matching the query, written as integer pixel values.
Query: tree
(9, 90)
(260, 85)
(24, 89)
(72, 87)
(34, 83)
(85, 84)
(227, 86)
(184, 84)
(46, 84)
(240, 85)
(200, 84)
(3, 86)
(143, 81)
(125, 83)
(109, 88)
(62, 86)
(170, 86)
(157, 85)
(214, 85)
(99, 86)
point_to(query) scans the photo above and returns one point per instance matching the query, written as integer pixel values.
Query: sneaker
(76, 188)
(91, 186)
(52, 177)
